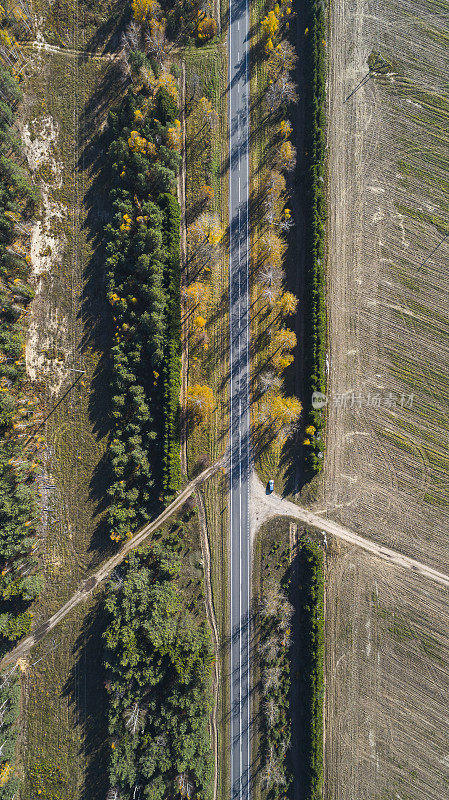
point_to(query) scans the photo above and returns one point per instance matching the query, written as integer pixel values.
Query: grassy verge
(288, 589)
(206, 165)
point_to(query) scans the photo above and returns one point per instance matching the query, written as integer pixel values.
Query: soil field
(386, 472)
(387, 469)
(387, 682)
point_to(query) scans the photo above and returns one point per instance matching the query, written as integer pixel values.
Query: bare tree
(273, 773)
(286, 222)
(285, 613)
(281, 91)
(131, 37)
(134, 718)
(156, 42)
(269, 648)
(271, 711)
(270, 275)
(269, 293)
(269, 380)
(270, 601)
(270, 678)
(284, 56)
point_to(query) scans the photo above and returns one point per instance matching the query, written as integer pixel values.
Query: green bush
(143, 286)
(315, 147)
(310, 609)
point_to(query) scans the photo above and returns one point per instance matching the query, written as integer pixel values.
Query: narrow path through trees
(98, 577)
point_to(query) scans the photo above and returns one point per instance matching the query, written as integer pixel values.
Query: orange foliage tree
(200, 401)
(287, 304)
(206, 29)
(284, 410)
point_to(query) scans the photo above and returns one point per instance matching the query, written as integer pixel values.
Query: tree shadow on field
(87, 697)
(108, 33)
(96, 318)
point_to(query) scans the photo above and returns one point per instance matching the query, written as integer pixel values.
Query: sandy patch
(44, 350)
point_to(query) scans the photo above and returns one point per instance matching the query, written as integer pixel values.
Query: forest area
(141, 462)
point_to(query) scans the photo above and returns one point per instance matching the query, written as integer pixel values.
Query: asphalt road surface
(240, 454)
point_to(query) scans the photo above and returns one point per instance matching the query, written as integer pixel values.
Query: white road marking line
(247, 382)
(231, 400)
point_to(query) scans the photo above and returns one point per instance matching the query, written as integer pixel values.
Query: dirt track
(273, 505)
(90, 584)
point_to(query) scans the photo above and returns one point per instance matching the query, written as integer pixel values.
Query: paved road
(105, 570)
(239, 397)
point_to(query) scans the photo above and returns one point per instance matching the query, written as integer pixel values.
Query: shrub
(315, 344)
(207, 29)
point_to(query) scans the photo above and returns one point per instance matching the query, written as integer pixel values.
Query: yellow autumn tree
(199, 322)
(5, 773)
(284, 410)
(284, 339)
(285, 129)
(206, 29)
(271, 249)
(166, 81)
(197, 294)
(205, 106)
(174, 136)
(287, 155)
(210, 117)
(287, 304)
(270, 25)
(281, 361)
(143, 10)
(200, 401)
(206, 228)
